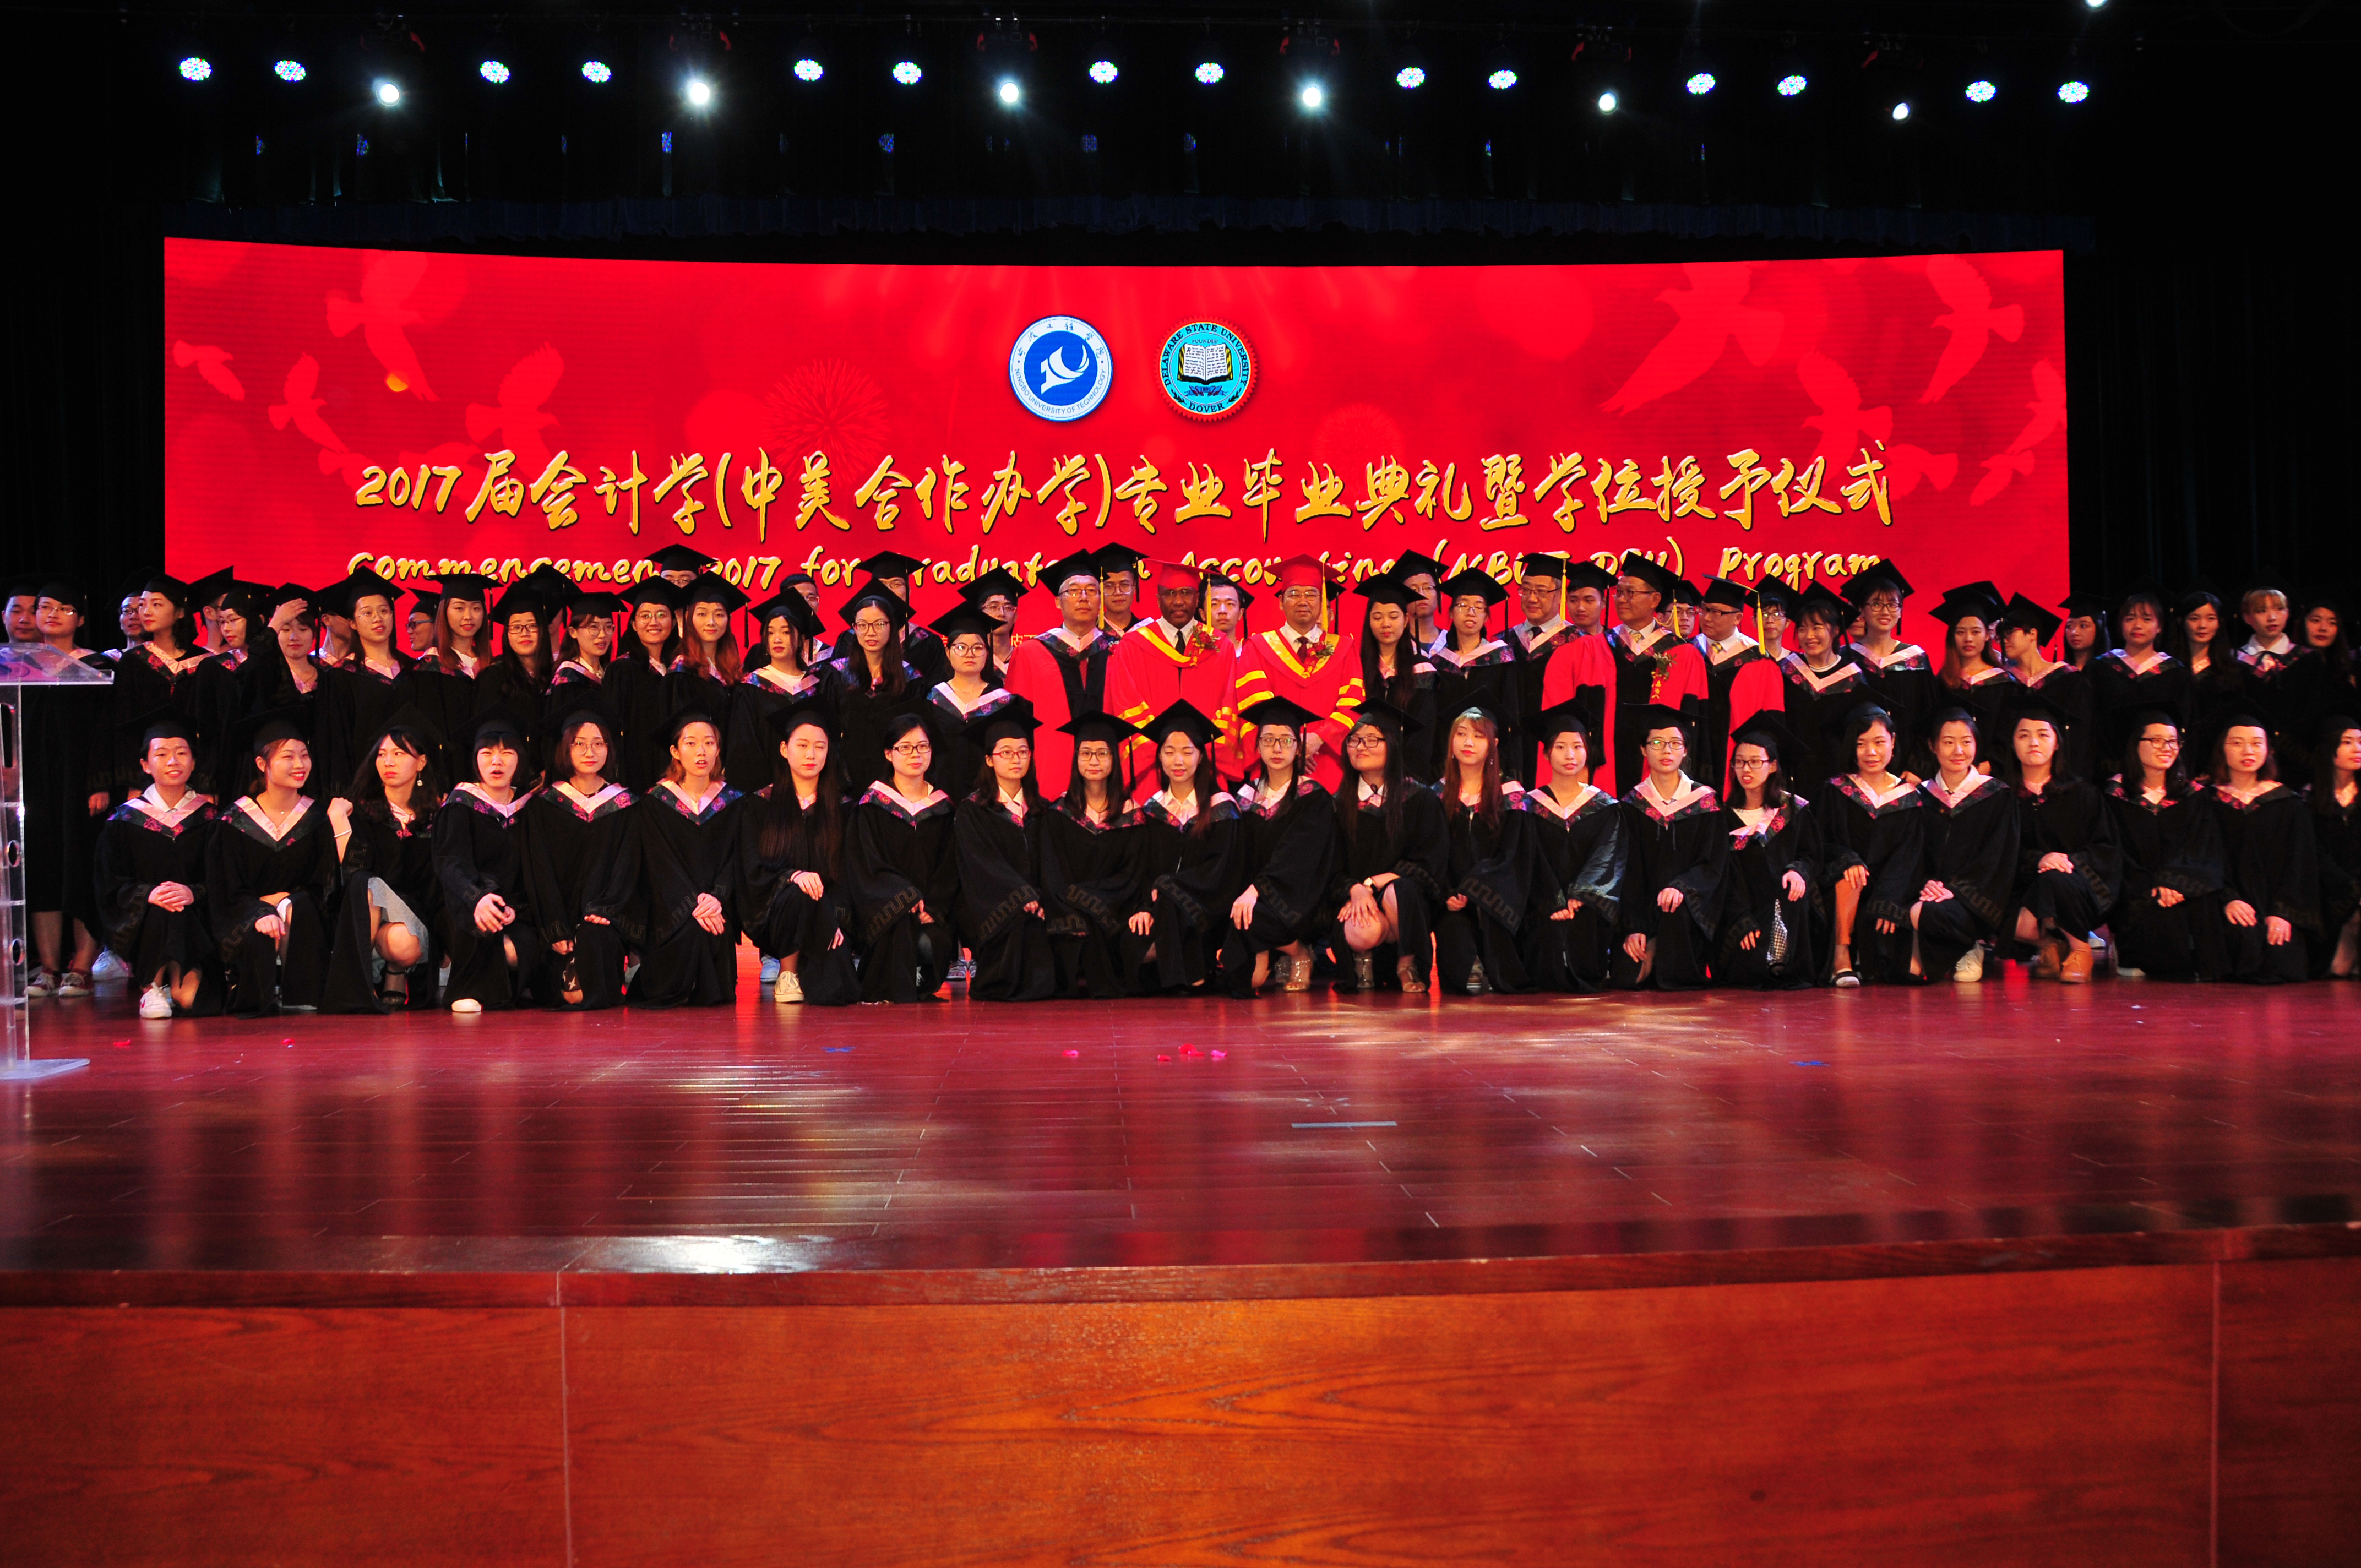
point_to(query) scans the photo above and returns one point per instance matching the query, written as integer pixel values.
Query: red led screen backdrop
(327, 406)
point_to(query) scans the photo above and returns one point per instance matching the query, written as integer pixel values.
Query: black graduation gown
(1971, 847)
(2078, 749)
(356, 702)
(403, 856)
(2118, 695)
(672, 854)
(921, 650)
(1890, 839)
(2071, 819)
(1755, 899)
(2172, 843)
(1187, 881)
(504, 683)
(2277, 692)
(1532, 669)
(690, 686)
(242, 861)
(637, 693)
(1288, 858)
(1091, 879)
(574, 689)
(1987, 701)
(1818, 705)
(999, 875)
(958, 757)
(1577, 855)
(1906, 687)
(2214, 694)
(135, 853)
(2316, 689)
(66, 762)
(199, 690)
(479, 850)
(1636, 677)
(1491, 865)
(1685, 849)
(751, 749)
(901, 856)
(862, 718)
(2270, 860)
(1493, 680)
(781, 919)
(1712, 761)
(1418, 856)
(447, 701)
(2337, 830)
(572, 854)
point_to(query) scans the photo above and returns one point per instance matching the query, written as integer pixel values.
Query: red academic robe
(1329, 684)
(1754, 686)
(1592, 662)
(1062, 683)
(1147, 674)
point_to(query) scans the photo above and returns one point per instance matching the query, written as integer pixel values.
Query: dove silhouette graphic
(1059, 368)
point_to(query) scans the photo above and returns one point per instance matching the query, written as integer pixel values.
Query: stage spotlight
(2073, 92)
(1410, 76)
(1607, 102)
(1313, 95)
(196, 67)
(907, 73)
(1104, 72)
(1981, 91)
(289, 70)
(1501, 81)
(1010, 92)
(1901, 112)
(1210, 72)
(1699, 84)
(1792, 84)
(809, 69)
(389, 93)
(596, 71)
(699, 93)
(493, 72)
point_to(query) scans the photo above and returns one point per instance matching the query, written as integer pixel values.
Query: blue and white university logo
(1060, 368)
(1207, 370)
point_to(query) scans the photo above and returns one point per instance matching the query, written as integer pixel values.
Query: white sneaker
(156, 1002)
(44, 983)
(770, 970)
(109, 967)
(787, 987)
(466, 1004)
(71, 984)
(2123, 973)
(1971, 966)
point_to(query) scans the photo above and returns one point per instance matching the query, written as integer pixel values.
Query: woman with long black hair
(1472, 669)
(1089, 875)
(383, 821)
(874, 686)
(1289, 820)
(1578, 836)
(1003, 915)
(517, 678)
(2335, 801)
(970, 692)
(270, 874)
(1824, 684)
(445, 679)
(1190, 852)
(1487, 874)
(1973, 676)
(2085, 628)
(577, 832)
(2137, 678)
(2202, 639)
(1395, 854)
(2167, 921)
(2069, 862)
(1969, 822)
(374, 682)
(792, 896)
(681, 866)
(779, 680)
(2322, 681)
(637, 690)
(1872, 828)
(2025, 630)
(1396, 669)
(903, 871)
(1901, 677)
(488, 915)
(2270, 859)
(709, 668)
(1772, 889)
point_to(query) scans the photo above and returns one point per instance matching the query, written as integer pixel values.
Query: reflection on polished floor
(1293, 1129)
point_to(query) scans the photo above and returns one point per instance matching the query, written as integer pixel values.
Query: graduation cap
(1772, 593)
(1581, 713)
(1820, 602)
(1857, 723)
(1182, 719)
(1396, 724)
(1723, 593)
(258, 733)
(1411, 563)
(2142, 591)
(1386, 588)
(1216, 579)
(1473, 584)
(692, 714)
(1635, 564)
(1767, 729)
(653, 590)
(809, 709)
(423, 603)
(1642, 719)
(711, 589)
(291, 593)
(211, 586)
(794, 607)
(496, 724)
(463, 586)
(999, 580)
(160, 723)
(1113, 559)
(2026, 616)
(2032, 702)
(897, 610)
(604, 603)
(412, 718)
(66, 591)
(1303, 572)
(1877, 574)
(1684, 591)
(1104, 727)
(1080, 565)
(1541, 563)
(1012, 720)
(679, 558)
(248, 601)
(360, 583)
(163, 583)
(1980, 600)
(1277, 709)
(2085, 601)
(796, 579)
(893, 564)
(965, 620)
(1178, 575)
(1589, 574)
(521, 598)
(2329, 733)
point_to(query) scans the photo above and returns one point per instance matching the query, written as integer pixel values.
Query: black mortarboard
(1978, 599)
(1182, 718)
(679, 558)
(999, 580)
(1472, 583)
(291, 593)
(1875, 575)
(1822, 602)
(1397, 724)
(601, 603)
(809, 709)
(1012, 719)
(159, 723)
(2032, 702)
(965, 620)
(358, 584)
(1113, 558)
(1386, 588)
(1216, 580)
(1277, 709)
(1411, 563)
(711, 589)
(893, 564)
(1641, 718)
(795, 608)
(2330, 732)
(896, 609)
(653, 590)
(1080, 563)
(256, 733)
(1589, 574)
(692, 714)
(1770, 726)
(2147, 589)
(66, 591)
(790, 579)
(1104, 727)
(425, 603)
(1684, 591)
(1580, 712)
(1775, 593)
(521, 598)
(555, 588)
(2026, 616)
(1635, 564)
(1723, 593)
(465, 586)
(249, 600)
(164, 583)
(1541, 563)
(211, 586)
(496, 723)
(2085, 601)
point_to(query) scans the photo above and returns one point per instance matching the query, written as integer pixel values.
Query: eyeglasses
(911, 749)
(872, 626)
(2162, 742)
(1751, 764)
(1363, 740)
(1012, 754)
(1663, 745)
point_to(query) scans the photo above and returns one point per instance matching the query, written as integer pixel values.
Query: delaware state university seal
(1207, 370)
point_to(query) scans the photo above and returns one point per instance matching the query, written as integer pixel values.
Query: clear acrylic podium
(23, 666)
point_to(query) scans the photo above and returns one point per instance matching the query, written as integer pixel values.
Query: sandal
(1364, 972)
(1406, 971)
(1299, 973)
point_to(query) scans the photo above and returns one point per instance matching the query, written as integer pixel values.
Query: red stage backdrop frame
(423, 412)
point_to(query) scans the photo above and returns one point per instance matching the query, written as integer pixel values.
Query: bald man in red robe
(1173, 657)
(1304, 661)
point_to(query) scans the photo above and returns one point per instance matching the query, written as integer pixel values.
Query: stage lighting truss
(1792, 86)
(595, 71)
(809, 69)
(907, 73)
(1700, 83)
(388, 93)
(1410, 77)
(699, 93)
(1981, 91)
(2073, 92)
(1104, 72)
(1313, 97)
(196, 67)
(1501, 80)
(493, 72)
(1608, 102)
(1211, 72)
(1010, 92)
(289, 70)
